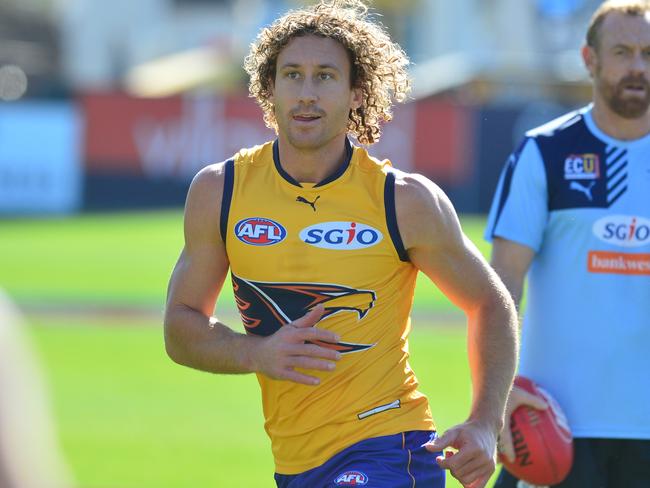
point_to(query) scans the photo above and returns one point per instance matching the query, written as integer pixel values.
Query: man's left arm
(436, 245)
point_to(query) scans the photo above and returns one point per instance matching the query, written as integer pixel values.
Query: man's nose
(639, 63)
(308, 92)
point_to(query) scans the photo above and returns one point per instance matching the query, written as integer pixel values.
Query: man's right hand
(517, 398)
(277, 355)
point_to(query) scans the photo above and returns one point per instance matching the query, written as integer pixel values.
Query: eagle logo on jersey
(266, 306)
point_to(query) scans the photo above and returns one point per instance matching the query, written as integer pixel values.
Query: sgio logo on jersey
(341, 235)
(623, 230)
(258, 231)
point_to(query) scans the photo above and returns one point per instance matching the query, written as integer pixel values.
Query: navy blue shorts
(393, 461)
(600, 463)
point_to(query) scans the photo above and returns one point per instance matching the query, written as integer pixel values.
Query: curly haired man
(323, 243)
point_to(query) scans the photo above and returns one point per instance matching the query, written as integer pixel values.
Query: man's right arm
(519, 212)
(518, 216)
(196, 339)
(192, 336)
(511, 261)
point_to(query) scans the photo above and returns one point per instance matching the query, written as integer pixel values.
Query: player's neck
(312, 165)
(619, 127)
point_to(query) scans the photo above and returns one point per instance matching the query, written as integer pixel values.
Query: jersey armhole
(391, 216)
(226, 198)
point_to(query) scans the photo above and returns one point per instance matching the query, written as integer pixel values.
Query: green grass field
(127, 416)
(117, 260)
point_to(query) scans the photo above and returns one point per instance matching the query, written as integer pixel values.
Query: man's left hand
(475, 458)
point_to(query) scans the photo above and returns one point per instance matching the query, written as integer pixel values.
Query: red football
(542, 440)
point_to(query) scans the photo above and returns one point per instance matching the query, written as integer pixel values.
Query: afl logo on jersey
(582, 167)
(623, 230)
(341, 235)
(351, 478)
(258, 231)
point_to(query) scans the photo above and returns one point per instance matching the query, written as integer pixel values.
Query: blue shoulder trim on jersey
(560, 123)
(391, 216)
(226, 198)
(576, 164)
(508, 171)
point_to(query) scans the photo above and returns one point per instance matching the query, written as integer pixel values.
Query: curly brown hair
(378, 65)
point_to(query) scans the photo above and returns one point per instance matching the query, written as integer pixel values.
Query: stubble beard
(311, 139)
(625, 106)
(304, 142)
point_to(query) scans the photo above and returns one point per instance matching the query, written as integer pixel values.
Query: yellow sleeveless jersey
(292, 246)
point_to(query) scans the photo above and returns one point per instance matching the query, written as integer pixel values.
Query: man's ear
(590, 58)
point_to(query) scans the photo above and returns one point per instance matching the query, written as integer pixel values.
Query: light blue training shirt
(581, 200)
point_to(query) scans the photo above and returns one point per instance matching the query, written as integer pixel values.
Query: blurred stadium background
(107, 109)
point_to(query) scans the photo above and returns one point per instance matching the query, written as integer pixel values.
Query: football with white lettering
(542, 440)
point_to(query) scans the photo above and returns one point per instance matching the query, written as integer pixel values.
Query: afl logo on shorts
(351, 478)
(258, 231)
(341, 235)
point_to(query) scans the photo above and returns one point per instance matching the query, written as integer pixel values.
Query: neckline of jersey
(334, 176)
(612, 141)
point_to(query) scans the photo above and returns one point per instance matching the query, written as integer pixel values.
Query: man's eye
(325, 76)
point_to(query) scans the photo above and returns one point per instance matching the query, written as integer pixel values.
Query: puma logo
(584, 189)
(311, 204)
